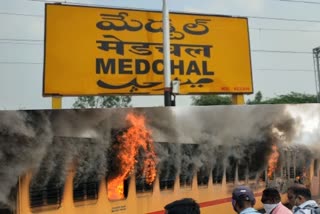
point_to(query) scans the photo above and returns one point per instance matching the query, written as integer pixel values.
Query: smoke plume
(204, 140)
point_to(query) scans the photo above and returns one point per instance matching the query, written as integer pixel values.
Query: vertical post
(237, 99)
(316, 52)
(166, 53)
(318, 71)
(56, 102)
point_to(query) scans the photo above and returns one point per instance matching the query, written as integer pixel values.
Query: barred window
(51, 194)
(86, 191)
(217, 173)
(291, 172)
(142, 185)
(231, 170)
(203, 176)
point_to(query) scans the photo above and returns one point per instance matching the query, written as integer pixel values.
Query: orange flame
(135, 138)
(116, 188)
(273, 161)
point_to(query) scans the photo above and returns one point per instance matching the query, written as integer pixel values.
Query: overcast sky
(274, 73)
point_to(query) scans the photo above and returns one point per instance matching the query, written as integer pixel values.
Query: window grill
(166, 184)
(231, 169)
(86, 191)
(217, 173)
(203, 177)
(48, 195)
(185, 180)
(291, 172)
(142, 185)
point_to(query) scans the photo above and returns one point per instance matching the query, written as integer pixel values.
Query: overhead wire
(252, 17)
(21, 40)
(283, 69)
(40, 41)
(284, 19)
(280, 51)
(20, 14)
(285, 30)
(27, 41)
(20, 43)
(21, 63)
(299, 1)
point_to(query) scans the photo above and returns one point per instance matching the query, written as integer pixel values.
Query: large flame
(136, 137)
(273, 161)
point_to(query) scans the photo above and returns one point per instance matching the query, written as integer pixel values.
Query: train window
(142, 185)
(262, 176)
(285, 173)
(271, 176)
(299, 171)
(86, 191)
(167, 175)
(242, 171)
(277, 172)
(185, 180)
(117, 189)
(50, 194)
(85, 182)
(47, 185)
(291, 172)
(315, 167)
(116, 179)
(187, 166)
(252, 175)
(166, 184)
(46, 189)
(203, 176)
(4, 209)
(231, 170)
(217, 173)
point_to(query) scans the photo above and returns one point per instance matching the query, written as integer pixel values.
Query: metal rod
(166, 53)
(318, 73)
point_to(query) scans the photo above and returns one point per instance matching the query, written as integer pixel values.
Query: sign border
(139, 10)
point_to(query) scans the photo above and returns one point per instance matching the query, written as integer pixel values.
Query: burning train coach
(136, 160)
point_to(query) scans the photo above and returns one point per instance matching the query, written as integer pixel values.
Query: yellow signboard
(91, 51)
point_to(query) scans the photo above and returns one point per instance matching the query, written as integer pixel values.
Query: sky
(274, 73)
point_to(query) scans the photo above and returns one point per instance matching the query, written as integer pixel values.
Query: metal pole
(318, 70)
(166, 53)
(316, 52)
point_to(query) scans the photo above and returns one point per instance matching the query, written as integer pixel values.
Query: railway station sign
(93, 50)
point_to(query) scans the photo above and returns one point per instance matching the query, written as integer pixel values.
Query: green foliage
(257, 99)
(102, 102)
(291, 98)
(207, 100)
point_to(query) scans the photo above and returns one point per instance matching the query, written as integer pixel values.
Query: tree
(102, 102)
(257, 98)
(207, 100)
